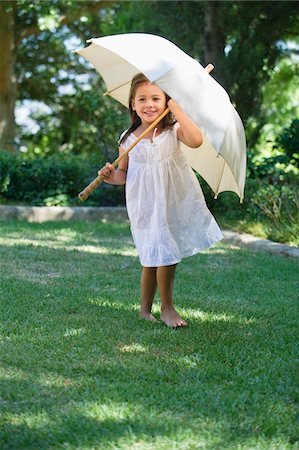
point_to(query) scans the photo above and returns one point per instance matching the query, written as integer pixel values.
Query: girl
(166, 207)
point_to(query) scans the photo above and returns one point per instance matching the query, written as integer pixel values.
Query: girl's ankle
(145, 311)
(167, 307)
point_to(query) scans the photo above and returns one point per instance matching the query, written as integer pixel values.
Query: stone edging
(106, 214)
(49, 213)
(260, 244)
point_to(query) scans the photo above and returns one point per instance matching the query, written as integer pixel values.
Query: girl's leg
(165, 280)
(148, 290)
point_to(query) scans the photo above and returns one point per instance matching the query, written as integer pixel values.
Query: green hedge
(52, 181)
(271, 194)
(271, 199)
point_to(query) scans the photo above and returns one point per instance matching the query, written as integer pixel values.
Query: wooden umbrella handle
(98, 180)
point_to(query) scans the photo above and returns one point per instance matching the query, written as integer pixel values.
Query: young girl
(166, 207)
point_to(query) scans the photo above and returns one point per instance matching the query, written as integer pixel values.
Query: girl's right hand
(106, 171)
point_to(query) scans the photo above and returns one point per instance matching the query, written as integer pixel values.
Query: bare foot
(148, 316)
(172, 319)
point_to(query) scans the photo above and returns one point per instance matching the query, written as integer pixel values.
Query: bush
(55, 180)
(289, 142)
(8, 164)
(278, 205)
(271, 201)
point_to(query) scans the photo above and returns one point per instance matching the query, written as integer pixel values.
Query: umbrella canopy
(221, 159)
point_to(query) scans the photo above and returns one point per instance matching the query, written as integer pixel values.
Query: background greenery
(74, 129)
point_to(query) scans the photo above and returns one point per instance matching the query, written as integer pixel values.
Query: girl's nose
(149, 103)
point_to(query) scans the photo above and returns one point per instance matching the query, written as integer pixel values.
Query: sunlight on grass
(214, 317)
(58, 245)
(41, 379)
(220, 249)
(33, 420)
(100, 411)
(81, 370)
(133, 348)
(102, 302)
(74, 332)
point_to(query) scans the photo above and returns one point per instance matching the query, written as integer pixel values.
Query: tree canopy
(253, 46)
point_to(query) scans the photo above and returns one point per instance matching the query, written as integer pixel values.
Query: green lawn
(80, 370)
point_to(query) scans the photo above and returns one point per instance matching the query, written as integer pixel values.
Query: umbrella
(221, 159)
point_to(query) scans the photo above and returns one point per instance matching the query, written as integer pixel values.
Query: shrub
(53, 180)
(289, 142)
(8, 163)
(279, 205)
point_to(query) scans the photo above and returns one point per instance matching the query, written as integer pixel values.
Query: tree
(240, 38)
(7, 73)
(22, 20)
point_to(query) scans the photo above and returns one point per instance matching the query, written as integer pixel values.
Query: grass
(80, 370)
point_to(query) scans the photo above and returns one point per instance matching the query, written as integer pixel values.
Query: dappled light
(133, 348)
(214, 317)
(74, 332)
(76, 355)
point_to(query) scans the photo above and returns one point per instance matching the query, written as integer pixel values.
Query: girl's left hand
(188, 132)
(173, 106)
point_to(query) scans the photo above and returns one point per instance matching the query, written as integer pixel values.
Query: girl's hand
(106, 171)
(173, 106)
(188, 132)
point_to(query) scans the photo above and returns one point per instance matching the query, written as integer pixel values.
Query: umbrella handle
(98, 180)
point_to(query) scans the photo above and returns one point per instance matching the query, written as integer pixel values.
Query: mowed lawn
(80, 370)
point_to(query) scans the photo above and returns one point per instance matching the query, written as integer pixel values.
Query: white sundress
(166, 206)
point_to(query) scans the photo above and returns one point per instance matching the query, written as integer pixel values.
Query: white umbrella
(221, 159)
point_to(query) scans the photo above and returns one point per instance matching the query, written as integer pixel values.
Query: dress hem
(187, 255)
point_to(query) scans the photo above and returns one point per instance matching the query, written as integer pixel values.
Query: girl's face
(149, 102)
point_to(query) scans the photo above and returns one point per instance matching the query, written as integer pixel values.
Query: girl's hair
(167, 122)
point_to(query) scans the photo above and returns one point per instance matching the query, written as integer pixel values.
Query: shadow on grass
(81, 369)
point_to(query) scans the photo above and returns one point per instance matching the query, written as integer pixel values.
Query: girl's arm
(112, 176)
(188, 133)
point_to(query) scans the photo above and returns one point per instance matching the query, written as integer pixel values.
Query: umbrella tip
(209, 67)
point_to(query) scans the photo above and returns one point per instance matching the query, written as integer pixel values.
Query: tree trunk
(214, 38)
(8, 86)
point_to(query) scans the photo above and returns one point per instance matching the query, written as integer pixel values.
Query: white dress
(166, 207)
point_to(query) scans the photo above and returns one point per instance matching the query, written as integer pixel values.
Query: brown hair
(167, 122)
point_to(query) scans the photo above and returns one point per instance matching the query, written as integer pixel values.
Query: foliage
(280, 205)
(52, 181)
(80, 370)
(81, 120)
(71, 113)
(270, 208)
(271, 192)
(84, 123)
(288, 140)
(254, 44)
(280, 107)
(250, 44)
